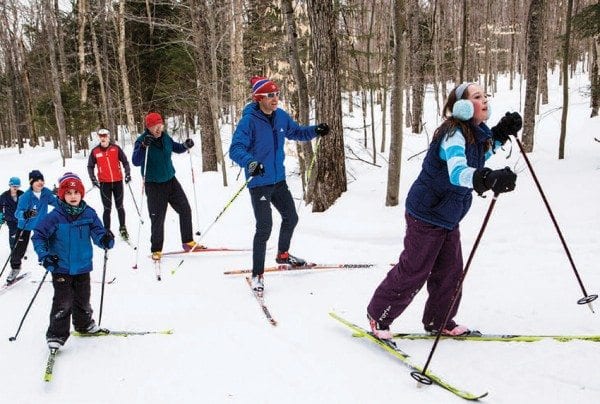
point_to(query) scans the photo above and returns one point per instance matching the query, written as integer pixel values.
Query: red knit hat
(262, 85)
(153, 118)
(69, 181)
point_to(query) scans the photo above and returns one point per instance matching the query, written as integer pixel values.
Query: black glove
(95, 182)
(108, 240)
(50, 262)
(322, 129)
(256, 168)
(498, 181)
(127, 178)
(28, 214)
(510, 124)
(189, 143)
(147, 140)
(55, 190)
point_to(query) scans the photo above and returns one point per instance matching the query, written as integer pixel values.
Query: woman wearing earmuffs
(437, 201)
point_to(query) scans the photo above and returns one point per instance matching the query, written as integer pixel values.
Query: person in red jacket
(109, 157)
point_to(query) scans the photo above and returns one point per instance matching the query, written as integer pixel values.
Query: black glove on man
(147, 140)
(50, 262)
(127, 178)
(510, 124)
(189, 143)
(498, 181)
(322, 129)
(256, 168)
(28, 214)
(108, 239)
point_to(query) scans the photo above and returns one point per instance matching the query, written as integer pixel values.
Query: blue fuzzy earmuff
(462, 109)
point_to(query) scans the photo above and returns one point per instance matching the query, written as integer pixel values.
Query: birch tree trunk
(329, 180)
(533, 54)
(397, 129)
(123, 70)
(50, 22)
(100, 75)
(238, 82)
(565, 71)
(81, 22)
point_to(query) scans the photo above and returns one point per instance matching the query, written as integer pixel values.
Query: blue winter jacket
(160, 166)
(8, 206)
(69, 237)
(259, 137)
(29, 201)
(432, 198)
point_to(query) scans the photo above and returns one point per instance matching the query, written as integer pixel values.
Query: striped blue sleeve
(452, 151)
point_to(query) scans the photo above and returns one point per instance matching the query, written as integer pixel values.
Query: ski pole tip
(11, 339)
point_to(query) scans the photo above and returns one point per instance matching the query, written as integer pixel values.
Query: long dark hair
(450, 123)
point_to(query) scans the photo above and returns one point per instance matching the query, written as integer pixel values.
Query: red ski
(308, 266)
(204, 250)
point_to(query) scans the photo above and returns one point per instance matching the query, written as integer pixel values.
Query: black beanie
(34, 176)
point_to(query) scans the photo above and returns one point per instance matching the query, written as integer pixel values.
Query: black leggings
(107, 191)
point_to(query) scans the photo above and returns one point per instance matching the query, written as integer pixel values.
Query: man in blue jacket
(257, 145)
(160, 183)
(31, 207)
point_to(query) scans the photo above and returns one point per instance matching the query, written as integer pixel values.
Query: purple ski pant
(431, 254)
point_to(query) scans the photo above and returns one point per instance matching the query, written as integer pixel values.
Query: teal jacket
(160, 167)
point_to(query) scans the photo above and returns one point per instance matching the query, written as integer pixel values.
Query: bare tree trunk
(329, 180)
(238, 81)
(33, 135)
(58, 33)
(98, 65)
(463, 46)
(304, 149)
(565, 109)
(50, 22)
(123, 69)
(397, 129)
(81, 22)
(533, 54)
(595, 76)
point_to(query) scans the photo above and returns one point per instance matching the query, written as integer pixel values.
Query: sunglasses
(270, 95)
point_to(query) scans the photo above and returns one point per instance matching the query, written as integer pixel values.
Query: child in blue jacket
(63, 243)
(8, 205)
(31, 207)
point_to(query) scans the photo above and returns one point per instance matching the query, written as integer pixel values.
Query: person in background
(31, 207)
(161, 185)
(257, 146)
(63, 243)
(109, 157)
(436, 202)
(8, 206)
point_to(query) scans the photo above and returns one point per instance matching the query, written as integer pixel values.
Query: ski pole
(102, 289)
(421, 377)
(11, 251)
(137, 250)
(586, 299)
(29, 307)
(135, 203)
(195, 197)
(225, 208)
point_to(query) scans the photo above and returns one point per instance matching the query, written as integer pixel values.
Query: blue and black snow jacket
(70, 237)
(28, 201)
(8, 206)
(259, 137)
(432, 198)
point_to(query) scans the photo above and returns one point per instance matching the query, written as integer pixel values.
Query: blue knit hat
(14, 182)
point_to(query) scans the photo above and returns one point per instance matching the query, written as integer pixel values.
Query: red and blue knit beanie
(69, 181)
(262, 85)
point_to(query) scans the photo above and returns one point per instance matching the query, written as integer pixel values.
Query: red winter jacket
(109, 163)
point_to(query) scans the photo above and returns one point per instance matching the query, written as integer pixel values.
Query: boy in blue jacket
(8, 205)
(31, 207)
(63, 243)
(257, 145)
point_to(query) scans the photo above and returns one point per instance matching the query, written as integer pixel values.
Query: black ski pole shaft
(134, 202)
(102, 289)
(11, 251)
(225, 208)
(421, 377)
(137, 249)
(13, 338)
(195, 197)
(586, 299)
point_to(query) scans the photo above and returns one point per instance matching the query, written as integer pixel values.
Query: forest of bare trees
(69, 68)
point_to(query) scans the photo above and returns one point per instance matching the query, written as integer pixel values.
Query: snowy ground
(223, 350)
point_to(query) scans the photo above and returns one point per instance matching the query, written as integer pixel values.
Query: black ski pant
(262, 197)
(160, 195)
(71, 296)
(108, 190)
(13, 230)
(20, 248)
